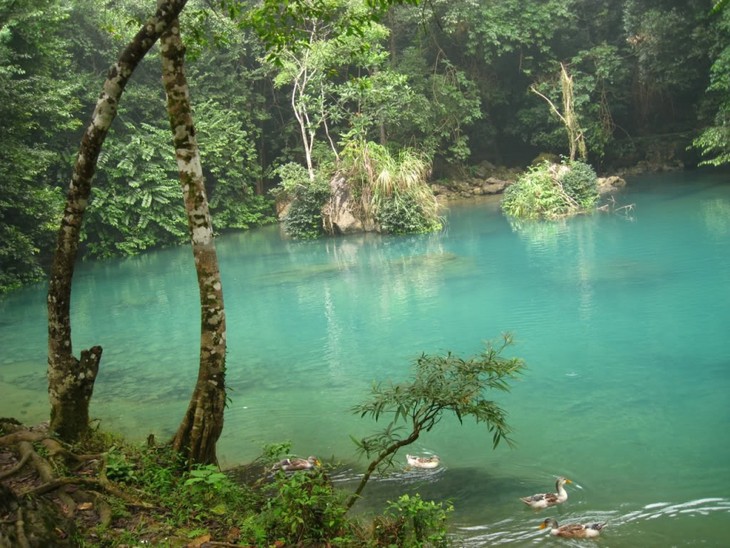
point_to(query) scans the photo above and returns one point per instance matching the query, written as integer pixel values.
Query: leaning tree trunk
(575, 133)
(70, 380)
(202, 424)
(576, 139)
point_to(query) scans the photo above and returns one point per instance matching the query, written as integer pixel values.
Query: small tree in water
(440, 384)
(552, 191)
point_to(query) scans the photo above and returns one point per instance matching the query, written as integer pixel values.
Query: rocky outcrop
(337, 214)
(609, 184)
(469, 188)
(484, 179)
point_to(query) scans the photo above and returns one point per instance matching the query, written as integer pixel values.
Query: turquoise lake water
(623, 319)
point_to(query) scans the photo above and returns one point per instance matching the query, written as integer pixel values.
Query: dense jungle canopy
(455, 81)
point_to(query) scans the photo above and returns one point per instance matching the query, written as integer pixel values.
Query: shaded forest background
(450, 79)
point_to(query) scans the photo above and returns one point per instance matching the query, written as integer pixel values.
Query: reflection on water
(717, 216)
(622, 322)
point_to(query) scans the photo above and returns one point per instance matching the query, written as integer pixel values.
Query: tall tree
(70, 379)
(203, 422)
(312, 68)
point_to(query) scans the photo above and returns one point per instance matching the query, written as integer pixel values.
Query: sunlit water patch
(621, 317)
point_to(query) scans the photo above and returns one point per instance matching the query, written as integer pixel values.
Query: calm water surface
(622, 318)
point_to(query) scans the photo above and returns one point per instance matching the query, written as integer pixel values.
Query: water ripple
(660, 509)
(620, 526)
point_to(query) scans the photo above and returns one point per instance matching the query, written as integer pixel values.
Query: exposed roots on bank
(46, 488)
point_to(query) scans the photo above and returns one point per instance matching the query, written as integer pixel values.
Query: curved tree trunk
(203, 422)
(70, 380)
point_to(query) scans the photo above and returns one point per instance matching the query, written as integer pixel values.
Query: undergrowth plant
(303, 509)
(411, 521)
(269, 508)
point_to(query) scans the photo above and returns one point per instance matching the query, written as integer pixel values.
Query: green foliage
(279, 24)
(297, 508)
(118, 466)
(345, 88)
(449, 78)
(137, 202)
(532, 195)
(669, 47)
(375, 99)
(447, 383)
(192, 498)
(596, 100)
(271, 509)
(206, 476)
(412, 522)
(303, 221)
(230, 163)
(714, 140)
(551, 191)
(579, 182)
(303, 509)
(38, 109)
(443, 102)
(393, 190)
(404, 214)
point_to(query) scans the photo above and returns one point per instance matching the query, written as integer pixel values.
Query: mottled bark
(70, 381)
(202, 424)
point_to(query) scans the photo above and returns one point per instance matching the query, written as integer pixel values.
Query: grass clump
(392, 189)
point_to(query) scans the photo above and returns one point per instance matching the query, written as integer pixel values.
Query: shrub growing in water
(304, 219)
(552, 191)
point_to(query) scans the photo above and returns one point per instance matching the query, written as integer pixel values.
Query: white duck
(423, 462)
(543, 500)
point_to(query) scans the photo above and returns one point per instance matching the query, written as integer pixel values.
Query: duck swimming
(543, 500)
(573, 530)
(294, 464)
(423, 462)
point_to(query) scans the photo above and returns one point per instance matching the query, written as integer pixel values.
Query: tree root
(107, 486)
(15, 469)
(21, 539)
(38, 480)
